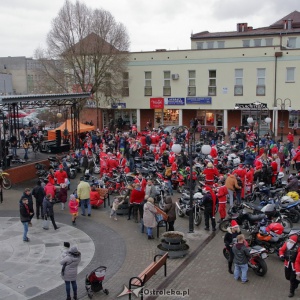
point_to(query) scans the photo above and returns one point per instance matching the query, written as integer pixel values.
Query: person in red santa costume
(142, 181)
(112, 163)
(214, 154)
(172, 157)
(274, 167)
(222, 193)
(241, 172)
(163, 146)
(249, 180)
(122, 162)
(210, 172)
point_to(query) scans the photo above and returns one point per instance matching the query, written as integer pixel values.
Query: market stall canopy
(67, 125)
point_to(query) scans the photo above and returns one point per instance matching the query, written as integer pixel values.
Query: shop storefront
(127, 116)
(211, 118)
(166, 117)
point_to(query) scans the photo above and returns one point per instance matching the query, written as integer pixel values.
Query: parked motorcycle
(183, 207)
(256, 261)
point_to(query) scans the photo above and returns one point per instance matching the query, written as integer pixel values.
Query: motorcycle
(256, 261)
(183, 207)
(242, 217)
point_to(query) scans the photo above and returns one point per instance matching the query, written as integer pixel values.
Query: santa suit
(171, 158)
(112, 163)
(103, 165)
(174, 167)
(142, 181)
(249, 180)
(274, 167)
(214, 154)
(210, 174)
(163, 147)
(221, 194)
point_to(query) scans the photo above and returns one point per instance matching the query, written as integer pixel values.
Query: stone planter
(173, 243)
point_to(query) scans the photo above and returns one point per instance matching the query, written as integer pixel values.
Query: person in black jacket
(25, 217)
(229, 239)
(209, 202)
(48, 210)
(39, 194)
(27, 194)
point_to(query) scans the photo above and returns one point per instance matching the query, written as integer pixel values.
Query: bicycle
(4, 180)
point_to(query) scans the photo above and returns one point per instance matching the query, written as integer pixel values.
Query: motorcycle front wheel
(197, 218)
(6, 183)
(224, 225)
(262, 268)
(179, 212)
(73, 174)
(294, 215)
(286, 222)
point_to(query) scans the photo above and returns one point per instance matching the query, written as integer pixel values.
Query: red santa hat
(234, 224)
(294, 238)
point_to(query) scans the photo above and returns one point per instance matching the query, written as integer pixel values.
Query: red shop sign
(156, 103)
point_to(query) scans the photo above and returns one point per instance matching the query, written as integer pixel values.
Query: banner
(156, 103)
(174, 101)
(198, 100)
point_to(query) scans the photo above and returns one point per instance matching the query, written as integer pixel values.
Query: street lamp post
(205, 149)
(282, 106)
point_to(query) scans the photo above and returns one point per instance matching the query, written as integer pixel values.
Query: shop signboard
(117, 105)
(156, 103)
(251, 105)
(198, 100)
(174, 101)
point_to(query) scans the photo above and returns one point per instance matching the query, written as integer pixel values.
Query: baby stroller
(93, 281)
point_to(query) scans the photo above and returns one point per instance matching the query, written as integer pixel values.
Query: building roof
(274, 29)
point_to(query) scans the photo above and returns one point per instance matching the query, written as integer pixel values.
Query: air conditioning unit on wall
(175, 76)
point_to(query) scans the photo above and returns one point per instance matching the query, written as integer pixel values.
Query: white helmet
(286, 199)
(280, 175)
(236, 161)
(198, 196)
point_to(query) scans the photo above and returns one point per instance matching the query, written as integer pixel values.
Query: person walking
(149, 217)
(289, 252)
(39, 194)
(73, 207)
(222, 198)
(231, 184)
(83, 193)
(48, 210)
(241, 255)
(169, 209)
(27, 194)
(63, 195)
(25, 216)
(71, 262)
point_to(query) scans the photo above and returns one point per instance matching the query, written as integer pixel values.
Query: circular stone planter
(172, 246)
(172, 236)
(174, 253)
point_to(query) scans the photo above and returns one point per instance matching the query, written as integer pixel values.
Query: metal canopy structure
(12, 105)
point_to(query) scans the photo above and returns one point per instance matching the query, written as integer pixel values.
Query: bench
(104, 195)
(142, 278)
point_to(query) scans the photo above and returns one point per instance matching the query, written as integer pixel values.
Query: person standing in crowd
(48, 210)
(150, 190)
(27, 194)
(168, 176)
(231, 184)
(63, 195)
(137, 197)
(229, 239)
(114, 208)
(50, 189)
(39, 194)
(289, 252)
(71, 262)
(149, 217)
(61, 175)
(25, 216)
(83, 193)
(209, 203)
(241, 254)
(73, 207)
(26, 147)
(169, 209)
(222, 197)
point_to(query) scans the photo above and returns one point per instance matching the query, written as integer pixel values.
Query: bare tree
(87, 50)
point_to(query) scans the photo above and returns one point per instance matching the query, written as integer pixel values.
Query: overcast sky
(154, 24)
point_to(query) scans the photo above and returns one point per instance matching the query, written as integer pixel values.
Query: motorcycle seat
(256, 217)
(273, 192)
(254, 206)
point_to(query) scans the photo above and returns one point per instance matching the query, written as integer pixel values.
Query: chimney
(250, 28)
(241, 27)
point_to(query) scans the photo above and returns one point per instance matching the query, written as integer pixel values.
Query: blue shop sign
(115, 105)
(174, 101)
(198, 100)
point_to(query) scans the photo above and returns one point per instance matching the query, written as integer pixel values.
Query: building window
(290, 75)
(125, 89)
(212, 83)
(246, 43)
(257, 42)
(221, 44)
(291, 43)
(261, 82)
(107, 91)
(269, 42)
(148, 87)
(238, 85)
(167, 83)
(210, 45)
(192, 83)
(199, 45)
(293, 118)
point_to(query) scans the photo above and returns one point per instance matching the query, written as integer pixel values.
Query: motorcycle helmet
(280, 175)
(275, 227)
(198, 196)
(293, 195)
(286, 199)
